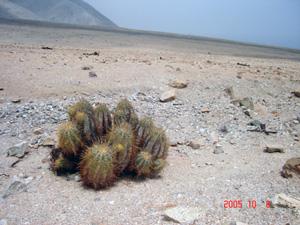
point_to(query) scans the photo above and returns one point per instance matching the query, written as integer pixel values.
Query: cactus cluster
(103, 145)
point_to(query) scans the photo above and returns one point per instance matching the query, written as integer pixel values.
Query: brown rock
(38, 131)
(292, 166)
(296, 93)
(195, 144)
(274, 149)
(205, 110)
(178, 84)
(230, 92)
(48, 142)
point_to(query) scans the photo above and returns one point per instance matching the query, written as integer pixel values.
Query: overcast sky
(270, 22)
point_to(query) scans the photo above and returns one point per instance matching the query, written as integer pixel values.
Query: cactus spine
(97, 166)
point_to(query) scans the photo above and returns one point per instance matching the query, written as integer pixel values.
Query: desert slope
(65, 11)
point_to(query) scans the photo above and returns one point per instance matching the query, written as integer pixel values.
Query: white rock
(168, 96)
(183, 214)
(282, 200)
(18, 150)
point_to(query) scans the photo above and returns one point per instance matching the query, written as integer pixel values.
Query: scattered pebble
(296, 93)
(218, 149)
(274, 149)
(178, 84)
(92, 74)
(38, 131)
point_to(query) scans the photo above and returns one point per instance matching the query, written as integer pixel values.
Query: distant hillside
(59, 11)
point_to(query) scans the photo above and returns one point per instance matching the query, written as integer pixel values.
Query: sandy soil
(140, 68)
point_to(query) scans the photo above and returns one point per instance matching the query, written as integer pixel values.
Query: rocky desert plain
(231, 112)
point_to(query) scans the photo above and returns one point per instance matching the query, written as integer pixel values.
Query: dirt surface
(44, 82)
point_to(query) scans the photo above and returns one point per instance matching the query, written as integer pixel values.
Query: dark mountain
(58, 11)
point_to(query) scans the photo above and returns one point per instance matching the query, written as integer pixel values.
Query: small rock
(86, 67)
(218, 149)
(17, 186)
(168, 96)
(205, 110)
(238, 223)
(195, 144)
(230, 92)
(178, 84)
(282, 200)
(48, 142)
(247, 103)
(77, 178)
(18, 150)
(292, 166)
(16, 100)
(296, 93)
(224, 129)
(38, 131)
(21, 59)
(1, 89)
(92, 74)
(3, 222)
(183, 215)
(214, 138)
(173, 143)
(273, 149)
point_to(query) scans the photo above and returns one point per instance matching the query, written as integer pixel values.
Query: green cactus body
(86, 126)
(143, 164)
(125, 113)
(81, 106)
(69, 139)
(143, 130)
(103, 120)
(121, 140)
(97, 166)
(157, 144)
(157, 166)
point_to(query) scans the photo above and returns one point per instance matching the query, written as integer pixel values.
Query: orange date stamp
(238, 204)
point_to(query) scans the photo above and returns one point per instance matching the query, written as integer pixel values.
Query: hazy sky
(270, 22)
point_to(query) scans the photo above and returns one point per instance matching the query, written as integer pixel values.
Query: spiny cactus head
(97, 166)
(125, 105)
(81, 106)
(157, 143)
(103, 120)
(125, 113)
(143, 164)
(143, 130)
(69, 139)
(86, 126)
(157, 166)
(121, 141)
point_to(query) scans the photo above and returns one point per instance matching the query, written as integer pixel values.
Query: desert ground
(214, 157)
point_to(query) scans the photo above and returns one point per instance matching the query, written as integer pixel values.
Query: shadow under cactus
(104, 146)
